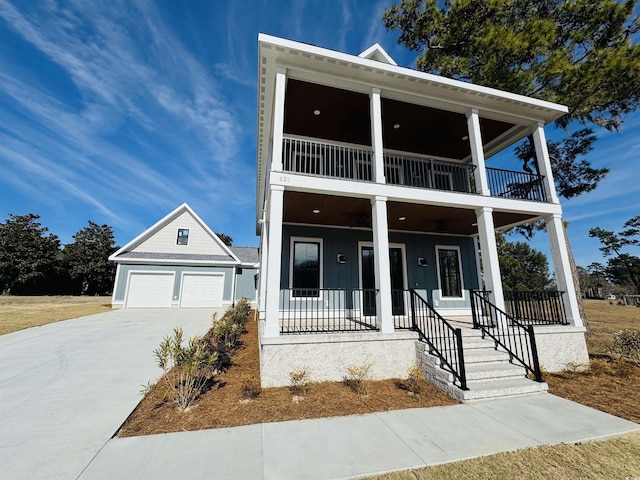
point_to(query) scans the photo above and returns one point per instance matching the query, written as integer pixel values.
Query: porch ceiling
(344, 116)
(356, 213)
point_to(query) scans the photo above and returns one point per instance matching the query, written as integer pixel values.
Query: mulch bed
(223, 405)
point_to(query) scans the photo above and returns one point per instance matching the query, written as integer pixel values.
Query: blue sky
(119, 111)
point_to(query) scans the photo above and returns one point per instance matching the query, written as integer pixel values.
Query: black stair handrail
(444, 341)
(506, 331)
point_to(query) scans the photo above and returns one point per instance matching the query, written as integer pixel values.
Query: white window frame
(292, 241)
(462, 289)
(188, 236)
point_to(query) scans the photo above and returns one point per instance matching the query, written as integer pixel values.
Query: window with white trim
(306, 261)
(183, 236)
(449, 271)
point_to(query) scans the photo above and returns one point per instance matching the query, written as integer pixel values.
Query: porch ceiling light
(316, 211)
(316, 112)
(466, 137)
(396, 126)
(402, 219)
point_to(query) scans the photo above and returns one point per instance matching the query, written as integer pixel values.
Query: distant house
(180, 262)
(376, 209)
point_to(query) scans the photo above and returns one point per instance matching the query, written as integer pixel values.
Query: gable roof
(142, 250)
(377, 53)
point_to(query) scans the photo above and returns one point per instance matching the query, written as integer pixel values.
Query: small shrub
(414, 382)
(250, 386)
(187, 369)
(626, 344)
(356, 377)
(228, 329)
(299, 381)
(147, 389)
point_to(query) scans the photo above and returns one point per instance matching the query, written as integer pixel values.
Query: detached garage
(180, 263)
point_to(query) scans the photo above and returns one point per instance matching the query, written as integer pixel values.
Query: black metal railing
(424, 172)
(442, 339)
(536, 307)
(326, 159)
(327, 310)
(518, 185)
(401, 309)
(508, 333)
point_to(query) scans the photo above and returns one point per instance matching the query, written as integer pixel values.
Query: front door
(369, 280)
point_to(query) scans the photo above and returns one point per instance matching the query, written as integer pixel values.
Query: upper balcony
(354, 163)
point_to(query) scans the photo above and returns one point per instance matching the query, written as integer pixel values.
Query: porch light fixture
(396, 126)
(316, 112)
(422, 262)
(316, 211)
(402, 219)
(341, 258)
(466, 137)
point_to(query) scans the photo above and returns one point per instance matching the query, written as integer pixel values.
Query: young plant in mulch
(187, 368)
(251, 388)
(356, 378)
(414, 383)
(299, 380)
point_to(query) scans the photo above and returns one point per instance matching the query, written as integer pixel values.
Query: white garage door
(149, 290)
(202, 290)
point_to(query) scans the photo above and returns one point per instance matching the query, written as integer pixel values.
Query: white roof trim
(149, 232)
(376, 52)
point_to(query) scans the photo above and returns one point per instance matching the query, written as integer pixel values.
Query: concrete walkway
(66, 387)
(356, 446)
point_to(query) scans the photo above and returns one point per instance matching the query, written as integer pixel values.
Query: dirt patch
(224, 405)
(19, 312)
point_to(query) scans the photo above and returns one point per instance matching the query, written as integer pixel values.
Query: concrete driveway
(66, 387)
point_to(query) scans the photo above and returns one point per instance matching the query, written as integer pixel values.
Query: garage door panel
(202, 290)
(150, 290)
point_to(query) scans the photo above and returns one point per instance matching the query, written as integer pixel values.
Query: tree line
(34, 262)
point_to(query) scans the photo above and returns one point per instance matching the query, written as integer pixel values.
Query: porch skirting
(559, 347)
(327, 356)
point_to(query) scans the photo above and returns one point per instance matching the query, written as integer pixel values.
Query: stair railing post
(534, 354)
(413, 308)
(463, 374)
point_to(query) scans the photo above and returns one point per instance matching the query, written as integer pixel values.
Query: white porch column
(384, 320)
(264, 255)
(562, 268)
(376, 136)
(278, 119)
(544, 163)
(477, 152)
(275, 211)
(490, 262)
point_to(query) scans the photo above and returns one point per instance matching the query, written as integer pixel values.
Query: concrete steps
(489, 372)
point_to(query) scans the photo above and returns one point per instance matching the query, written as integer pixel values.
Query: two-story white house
(377, 215)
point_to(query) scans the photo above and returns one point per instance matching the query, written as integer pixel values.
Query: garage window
(183, 236)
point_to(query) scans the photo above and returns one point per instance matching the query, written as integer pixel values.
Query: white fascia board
(163, 222)
(174, 262)
(280, 43)
(329, 186)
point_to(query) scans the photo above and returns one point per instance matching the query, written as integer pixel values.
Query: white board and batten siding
(149, 289)
(201, 290)
(165, 239)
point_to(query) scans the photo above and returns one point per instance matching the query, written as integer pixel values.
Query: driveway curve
(66, 387)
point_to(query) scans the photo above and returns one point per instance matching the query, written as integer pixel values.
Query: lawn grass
(616, 458)
(17, 312)
(606, 317)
